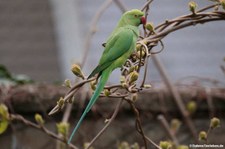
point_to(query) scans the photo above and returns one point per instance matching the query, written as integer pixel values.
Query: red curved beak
(143, 20)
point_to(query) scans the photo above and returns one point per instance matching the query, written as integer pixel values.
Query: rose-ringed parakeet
(118, 48)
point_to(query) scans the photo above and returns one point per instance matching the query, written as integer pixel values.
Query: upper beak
(143, 20)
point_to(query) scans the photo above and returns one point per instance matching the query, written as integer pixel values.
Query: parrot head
(134, 17)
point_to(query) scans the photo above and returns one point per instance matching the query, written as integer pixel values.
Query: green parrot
(119, 46)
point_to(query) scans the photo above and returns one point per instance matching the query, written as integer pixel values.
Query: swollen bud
(63, 128)
(134, 97)
(202, 136)
(222, 2)
(133, 77)
(165, 144)
(67, 83)
(135, 146)
(60, 102)
(122, 79)
(77, 71)
(149, 26)
(147, 86)
(123, 145)
(124, 85)
(175, 125)
(138, 46)
(182, 147)
(107, 92)
(191, 107)
(93, 85)
(39, 119)
(192, 6)
(4, 118)
(86, 144)
(132, 68)
(215, 122)
(141, 53)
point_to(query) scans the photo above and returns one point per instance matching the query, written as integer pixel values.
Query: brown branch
(108, 123)
(121, 5)
(146, 5)
(138, 122)
(176, 96)
(192, 23)
(210, 102)
(139, 126)
(223, 69)
(165, 125)
(185, 16)
(40, 128)
(93, 27)
(145, 73)
(69, 95)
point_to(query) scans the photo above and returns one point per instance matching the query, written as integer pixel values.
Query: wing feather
(115, 48)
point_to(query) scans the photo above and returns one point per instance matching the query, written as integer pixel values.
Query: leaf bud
(122, 79)
(39, 119)
(67, 83)
(175, 125)
(202, 136)
(93, 85)
(214, 122)
(147, 86)
(133, 77)
(182, 147)
(191, 107)
(77, 71)
(138, 46)
(107, 92)
(149, 26)
(222, 2)
(165, 144)
(4, 118)
(63, 128)
(141, 53)
(134, 97)
(192, 6)
(60, 102)
(124, 85)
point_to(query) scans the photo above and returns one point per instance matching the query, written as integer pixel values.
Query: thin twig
(69, 95)
(152, 142)
(176, 96)
(192, 23)
(93, 28)
(39, 127)
(120, 5)
(185, 16)
(108, 123)
(138, 122)
(165, 125)
(223, 69)
(145, 72)
(209, 102)
(146, 5)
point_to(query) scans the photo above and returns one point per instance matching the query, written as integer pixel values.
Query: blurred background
(43, 38)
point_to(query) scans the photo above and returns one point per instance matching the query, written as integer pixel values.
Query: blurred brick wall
(27, 44)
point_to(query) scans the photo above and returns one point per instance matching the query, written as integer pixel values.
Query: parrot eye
(135, 16)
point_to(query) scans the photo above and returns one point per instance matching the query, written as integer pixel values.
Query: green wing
(116, 47)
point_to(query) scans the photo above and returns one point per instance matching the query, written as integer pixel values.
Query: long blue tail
(100, 87)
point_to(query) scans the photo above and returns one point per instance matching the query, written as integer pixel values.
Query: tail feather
(100, 87)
